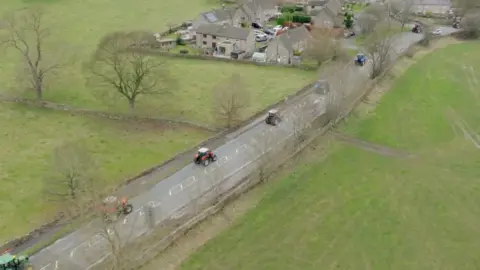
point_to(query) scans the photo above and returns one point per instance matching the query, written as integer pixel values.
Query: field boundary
(217, 139)
(244, 184)
(102, 114)
(159, 52)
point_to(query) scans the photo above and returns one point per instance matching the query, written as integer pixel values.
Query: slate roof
(317, 3)
(219, 15)
(292, 36)
(433, 2)
(223, 31)
(264, 4)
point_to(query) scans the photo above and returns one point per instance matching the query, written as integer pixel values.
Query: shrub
(301, 19)
(297, 53)
(180, 41)
(281, 20)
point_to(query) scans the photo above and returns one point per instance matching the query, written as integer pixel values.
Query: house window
(214, 45)
(214, 37)
(204, 43)
(222, 50)
(204, 35)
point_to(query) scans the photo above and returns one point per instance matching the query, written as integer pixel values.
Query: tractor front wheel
(214, 158)
(127, 209)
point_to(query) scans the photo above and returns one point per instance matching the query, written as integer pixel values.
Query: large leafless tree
(231, 99)
(120, 65)
(74, 174)
(324, 46)
(25, 32)
(402, 11)
(372, 16)
(379, 45)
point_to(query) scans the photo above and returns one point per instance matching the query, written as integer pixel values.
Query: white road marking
(98, 262)
(45, 267)
(241, 148)
(223, 160)
(176, 189)
(125, 220)
(154, 204)
(189, 181)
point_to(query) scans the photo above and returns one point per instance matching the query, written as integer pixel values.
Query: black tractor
(417, 28)
(272, 118)
(204, 156)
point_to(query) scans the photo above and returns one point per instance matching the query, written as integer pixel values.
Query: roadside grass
(361, 209)
(79, 32)
(447, 77)
(197, 78)
(123, 149)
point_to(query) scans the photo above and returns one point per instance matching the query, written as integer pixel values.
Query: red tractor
(204, 156)
(113, 208)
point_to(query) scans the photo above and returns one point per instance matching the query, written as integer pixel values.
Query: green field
(29, 135)
(77, 26)
(123, 149)
(363, 210)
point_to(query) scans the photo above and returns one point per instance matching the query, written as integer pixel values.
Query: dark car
(256, 25)
(269, 32)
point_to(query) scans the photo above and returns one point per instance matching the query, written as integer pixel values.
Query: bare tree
(402, 11)
(130, 72)
(231, 99)
(300, 124)
(25, 32)
(373, 16)
(265, 148)
(74, 172)
(379, 45)
(471, 25)
(324, 46)
(463, 7)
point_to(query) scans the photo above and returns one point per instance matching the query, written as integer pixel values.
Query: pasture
(77, 26)
(122, 148)
(361, 209)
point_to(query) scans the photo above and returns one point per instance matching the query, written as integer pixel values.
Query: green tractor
(12, 262)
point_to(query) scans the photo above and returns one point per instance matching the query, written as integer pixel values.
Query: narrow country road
(83, 249)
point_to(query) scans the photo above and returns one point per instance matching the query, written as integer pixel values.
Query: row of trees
(120, 71)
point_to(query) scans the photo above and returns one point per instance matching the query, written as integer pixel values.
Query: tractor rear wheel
(127, 209)
(206, 162)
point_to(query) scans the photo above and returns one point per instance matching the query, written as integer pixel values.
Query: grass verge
(122, 149)
(361, 209)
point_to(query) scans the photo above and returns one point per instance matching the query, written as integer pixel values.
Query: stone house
(224, 40)
(249, 13)
(432, 6)
(283, 47)
(220, 16)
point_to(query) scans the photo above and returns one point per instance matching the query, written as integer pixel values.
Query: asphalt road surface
(85, 248)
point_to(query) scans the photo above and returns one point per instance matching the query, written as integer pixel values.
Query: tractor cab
(360, 59)
(113, 207)
(417, 28)
(205, 156)
(273, 117)
(12, 262)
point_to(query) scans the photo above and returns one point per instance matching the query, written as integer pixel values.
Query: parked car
(261, 37)
(256, 25)
(277, 28)
(269, 31)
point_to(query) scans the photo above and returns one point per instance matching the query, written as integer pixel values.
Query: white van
(259, 57)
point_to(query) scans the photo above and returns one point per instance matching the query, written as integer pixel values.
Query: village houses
(284, 47)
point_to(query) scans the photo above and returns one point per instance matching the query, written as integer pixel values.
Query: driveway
(84, 248)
